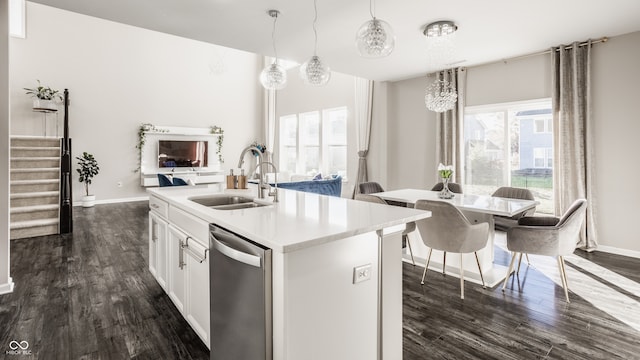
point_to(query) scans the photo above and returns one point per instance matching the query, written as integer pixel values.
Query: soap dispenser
(231, 180)
(242, 180)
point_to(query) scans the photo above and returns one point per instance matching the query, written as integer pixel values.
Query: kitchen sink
(226, 202)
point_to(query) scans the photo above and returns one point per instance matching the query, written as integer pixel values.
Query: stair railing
(66, 208)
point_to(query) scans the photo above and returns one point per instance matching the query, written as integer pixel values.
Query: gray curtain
(363, 114)
(449, 126)
(573, 164)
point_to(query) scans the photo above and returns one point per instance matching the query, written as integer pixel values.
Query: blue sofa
(331, 187)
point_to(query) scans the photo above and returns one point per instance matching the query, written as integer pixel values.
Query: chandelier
(375, 38)
(440, 43)
(314, 71)
(274, 76)
(440, 96)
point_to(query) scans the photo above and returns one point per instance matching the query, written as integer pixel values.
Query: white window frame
(17, 18)
(547, 125)
(323, 141)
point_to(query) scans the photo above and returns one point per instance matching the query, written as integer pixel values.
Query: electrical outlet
(361, 273)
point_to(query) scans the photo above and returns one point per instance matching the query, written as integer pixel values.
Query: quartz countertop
(298, 220)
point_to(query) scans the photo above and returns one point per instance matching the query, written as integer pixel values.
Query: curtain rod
(585, 43)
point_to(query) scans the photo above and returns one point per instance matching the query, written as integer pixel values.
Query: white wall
(297, 97)
(411, 141)
(5, 279)
(121, 76)
(616, 76)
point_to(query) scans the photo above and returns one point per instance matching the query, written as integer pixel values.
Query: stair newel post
(66, 214)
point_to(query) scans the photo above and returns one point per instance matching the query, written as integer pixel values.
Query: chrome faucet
(273, 191)
(261, 183)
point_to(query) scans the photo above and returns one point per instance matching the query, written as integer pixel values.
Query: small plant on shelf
(217, 130)
(44, 97)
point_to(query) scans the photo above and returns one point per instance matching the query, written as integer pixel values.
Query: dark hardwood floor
(90, 295)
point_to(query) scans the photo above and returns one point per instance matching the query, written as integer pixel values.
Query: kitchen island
(337, 272)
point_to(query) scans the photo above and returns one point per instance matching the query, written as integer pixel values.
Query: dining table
(476, 208)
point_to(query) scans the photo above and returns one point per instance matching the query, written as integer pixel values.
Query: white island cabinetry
(336, 269)
(178, 258)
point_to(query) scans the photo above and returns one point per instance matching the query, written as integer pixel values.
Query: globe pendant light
(375, 38)
(314, 71)
(274, 76)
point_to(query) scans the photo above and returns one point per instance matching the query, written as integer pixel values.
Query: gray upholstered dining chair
(549, 236)
(503, 223)
(454, 187)
(370, 187)
(409, 228)
(449, 230)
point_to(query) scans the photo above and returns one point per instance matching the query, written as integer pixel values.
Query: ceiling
(488, 30)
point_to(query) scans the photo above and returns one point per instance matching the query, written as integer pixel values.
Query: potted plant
(88, 169)
(44, 98)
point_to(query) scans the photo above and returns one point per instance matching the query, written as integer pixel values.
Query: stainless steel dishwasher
(240, 291)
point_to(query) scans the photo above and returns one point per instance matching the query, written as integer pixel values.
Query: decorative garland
(217, 130)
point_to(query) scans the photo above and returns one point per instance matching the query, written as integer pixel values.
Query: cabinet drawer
(158, 206)
(193, 226)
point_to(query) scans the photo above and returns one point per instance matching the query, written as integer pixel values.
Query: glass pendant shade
(375, 39)
(441, 96)
(315, 72)
(273, 77)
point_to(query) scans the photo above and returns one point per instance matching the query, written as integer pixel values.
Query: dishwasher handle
(237, 255)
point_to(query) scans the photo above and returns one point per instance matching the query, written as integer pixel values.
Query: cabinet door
(158, 249)
(176, 269)
(197, 266)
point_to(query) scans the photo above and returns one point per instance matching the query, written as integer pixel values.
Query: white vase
(88, 200)
(40, 104)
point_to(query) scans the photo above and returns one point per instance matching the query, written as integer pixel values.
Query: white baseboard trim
(619, 251)
(114, 201)
(6, 288)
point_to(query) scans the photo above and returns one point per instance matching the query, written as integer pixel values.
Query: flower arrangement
(445, 171)
(261, 147)
(44, 93)
(217, 130)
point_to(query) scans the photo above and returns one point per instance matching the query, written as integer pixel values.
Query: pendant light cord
(315, 31)
(273, 37)
(371, 9)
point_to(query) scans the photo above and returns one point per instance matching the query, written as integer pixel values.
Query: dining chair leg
(480, 269)
(406, 239)
(426, 266)
(563, 274)
(519, 262)
(444, 262)
(506, 278)
(528, 262)
(461, 279)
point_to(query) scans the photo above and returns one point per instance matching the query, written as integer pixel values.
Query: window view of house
(314, 142)
(510, 145)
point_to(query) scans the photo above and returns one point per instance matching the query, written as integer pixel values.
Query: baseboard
(619, 251)
(6, 288)
(115, 201)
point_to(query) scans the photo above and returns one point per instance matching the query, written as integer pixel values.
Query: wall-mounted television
(182, 153)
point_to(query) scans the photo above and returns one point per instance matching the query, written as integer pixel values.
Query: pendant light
(375, 38)
(440, 96)
(314, 71)
(274, 76)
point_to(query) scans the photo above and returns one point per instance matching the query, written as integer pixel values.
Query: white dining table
(477, 208)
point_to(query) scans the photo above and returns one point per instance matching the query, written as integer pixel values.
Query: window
(543, 157)
(510, 145)
(17, 18)
(314, 142)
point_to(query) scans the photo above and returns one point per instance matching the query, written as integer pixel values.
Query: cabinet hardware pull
(186, 246)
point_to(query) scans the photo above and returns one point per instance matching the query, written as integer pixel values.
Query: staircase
(35, 186)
